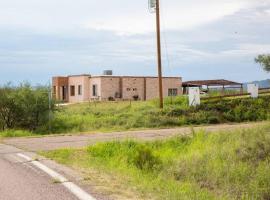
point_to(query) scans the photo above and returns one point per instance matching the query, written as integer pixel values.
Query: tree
(8, 108)
(264, 61)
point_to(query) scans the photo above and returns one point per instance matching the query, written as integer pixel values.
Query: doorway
(64, 93)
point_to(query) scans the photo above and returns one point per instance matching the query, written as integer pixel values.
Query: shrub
(144, 159)
(24, 107)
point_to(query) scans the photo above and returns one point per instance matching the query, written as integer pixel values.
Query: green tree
(8, 108)
(264, 61)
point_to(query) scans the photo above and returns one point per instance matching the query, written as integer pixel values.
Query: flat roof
(113, 76)
(79, 75)
(218, 82)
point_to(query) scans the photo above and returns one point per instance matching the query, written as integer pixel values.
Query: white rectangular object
(253, 89)
(194, 96)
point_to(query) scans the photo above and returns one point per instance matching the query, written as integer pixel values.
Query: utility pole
(154, 6)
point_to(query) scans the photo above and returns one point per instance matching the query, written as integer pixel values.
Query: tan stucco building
(81, 88)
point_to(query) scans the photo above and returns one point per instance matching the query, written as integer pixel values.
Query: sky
(201, 39)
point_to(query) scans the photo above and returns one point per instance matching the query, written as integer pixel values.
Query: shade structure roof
(218, 82)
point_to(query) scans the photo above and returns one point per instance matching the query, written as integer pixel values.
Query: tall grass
(120, 116)
(16, 133)
(224, 165)
(110, 116)
(117, 116)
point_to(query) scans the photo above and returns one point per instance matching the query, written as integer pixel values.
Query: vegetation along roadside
(27, 110)
(226, 165)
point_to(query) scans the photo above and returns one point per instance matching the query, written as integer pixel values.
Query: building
(81, 88)
(206, 85)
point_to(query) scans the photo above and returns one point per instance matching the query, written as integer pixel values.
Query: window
(80, 90)
(172, 92)
(95, 90)
(72, 90)
(128, 89)
(134, 89)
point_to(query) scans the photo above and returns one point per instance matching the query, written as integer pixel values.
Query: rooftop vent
(108, 72)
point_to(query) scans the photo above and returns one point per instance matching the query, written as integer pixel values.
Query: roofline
(112, 76)
(214, 82)
(89, 75)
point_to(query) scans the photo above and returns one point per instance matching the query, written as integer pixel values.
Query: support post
(223, 90)
(241, 89)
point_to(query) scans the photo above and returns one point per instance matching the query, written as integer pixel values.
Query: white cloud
(120, 16)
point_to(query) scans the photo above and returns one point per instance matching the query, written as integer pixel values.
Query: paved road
(21, 180)
(77, 141)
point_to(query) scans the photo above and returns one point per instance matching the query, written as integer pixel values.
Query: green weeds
(231, 165)
(121, 116)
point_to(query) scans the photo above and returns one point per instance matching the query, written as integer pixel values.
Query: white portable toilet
(253, 89)
(194, 96)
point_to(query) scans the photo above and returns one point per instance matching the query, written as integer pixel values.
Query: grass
(223, 165)
(116, 116)
(119, 116)
(16, 133)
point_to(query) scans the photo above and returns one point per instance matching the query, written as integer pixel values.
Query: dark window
(72, 90)
(80, 90)
(172, 92)
(128, 89)
(95, 90)
(134, 89)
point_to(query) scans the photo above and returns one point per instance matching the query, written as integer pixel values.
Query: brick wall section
(76, 81)
(58, 83)
(133, 87)
(94, 81)
(152, 90)
(110, 86)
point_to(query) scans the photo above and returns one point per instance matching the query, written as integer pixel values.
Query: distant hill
(262, 83)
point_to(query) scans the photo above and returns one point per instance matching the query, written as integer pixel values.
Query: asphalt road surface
(21, 180)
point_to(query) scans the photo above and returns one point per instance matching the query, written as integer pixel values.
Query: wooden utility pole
(159, 54)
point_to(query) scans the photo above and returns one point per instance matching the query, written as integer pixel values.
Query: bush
(24, 107)
(144, 159)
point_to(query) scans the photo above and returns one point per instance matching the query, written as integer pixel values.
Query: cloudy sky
(201, 39)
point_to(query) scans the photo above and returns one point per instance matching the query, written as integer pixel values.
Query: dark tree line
(24, 107)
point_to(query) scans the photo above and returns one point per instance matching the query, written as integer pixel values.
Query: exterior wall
(115, 87)
(91, 82)
(152, 90)
(76, 81)
(110, 88)
(133, 86)
(58, 83)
